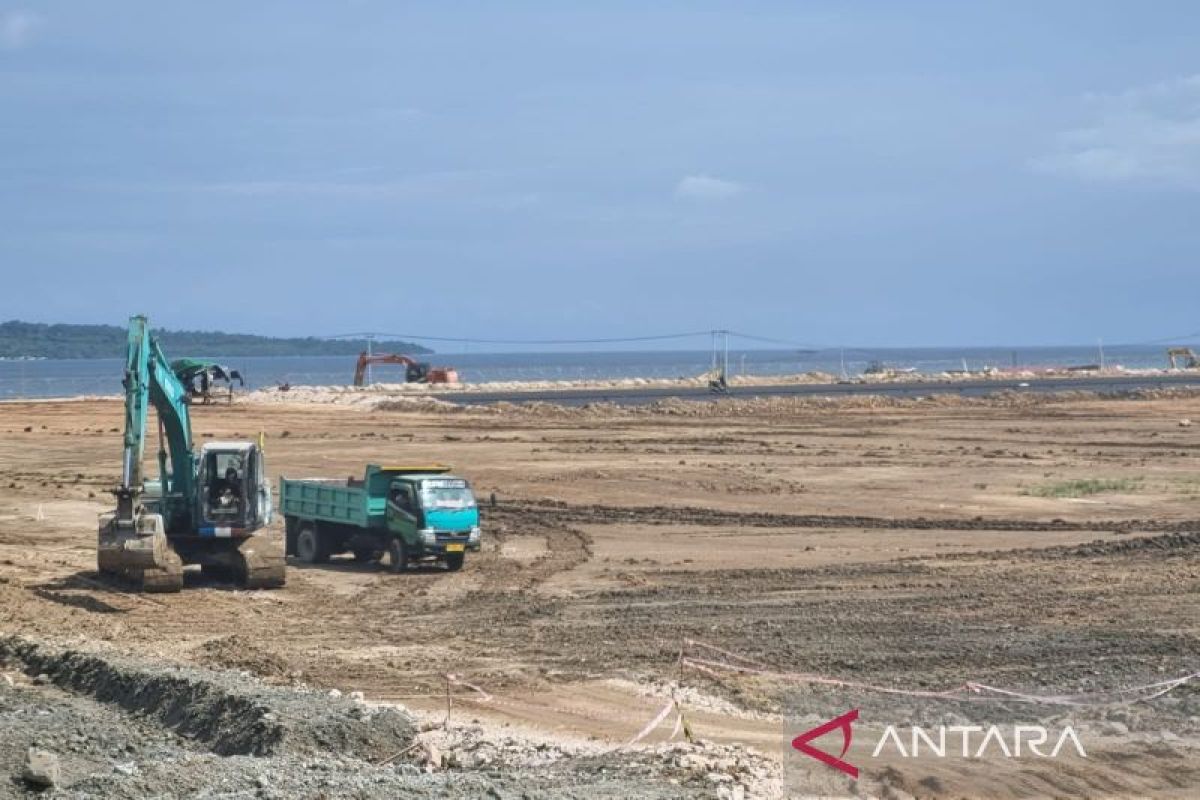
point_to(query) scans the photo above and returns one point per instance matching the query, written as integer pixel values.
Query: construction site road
(967, 388)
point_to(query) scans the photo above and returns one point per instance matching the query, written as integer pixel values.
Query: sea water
(65, 378)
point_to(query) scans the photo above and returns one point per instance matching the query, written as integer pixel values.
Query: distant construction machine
(199, 377)
(1186, 355)
(414, 371)
(209, 508)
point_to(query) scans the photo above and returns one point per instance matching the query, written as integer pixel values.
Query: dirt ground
(1042, 544)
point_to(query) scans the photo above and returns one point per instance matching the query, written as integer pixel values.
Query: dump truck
(410, 514)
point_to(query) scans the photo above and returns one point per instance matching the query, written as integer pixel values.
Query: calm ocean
(103, 376)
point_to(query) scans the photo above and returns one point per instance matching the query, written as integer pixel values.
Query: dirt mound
(1181, 544)
(240, 653)
(693, 515)
(230, 715)
(107, 752)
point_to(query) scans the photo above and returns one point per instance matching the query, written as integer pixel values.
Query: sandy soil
(910, 544)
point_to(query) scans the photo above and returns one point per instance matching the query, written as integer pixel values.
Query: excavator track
(260, 561)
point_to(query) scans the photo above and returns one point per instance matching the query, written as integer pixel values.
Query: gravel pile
(77, 724)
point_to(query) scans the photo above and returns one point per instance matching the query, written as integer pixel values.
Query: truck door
(402, 509)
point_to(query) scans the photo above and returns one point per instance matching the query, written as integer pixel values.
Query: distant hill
(31, 339)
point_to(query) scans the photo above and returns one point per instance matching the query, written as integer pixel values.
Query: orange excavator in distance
(414, 371)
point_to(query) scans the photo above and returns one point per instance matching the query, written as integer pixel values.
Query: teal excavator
(210, 507)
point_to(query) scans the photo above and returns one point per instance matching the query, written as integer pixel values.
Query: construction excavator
(1183, 355)
(414, 371)
(209, 507)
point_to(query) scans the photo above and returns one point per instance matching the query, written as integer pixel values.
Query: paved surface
(975, 388)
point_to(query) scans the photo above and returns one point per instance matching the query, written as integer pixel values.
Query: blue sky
(833, 173)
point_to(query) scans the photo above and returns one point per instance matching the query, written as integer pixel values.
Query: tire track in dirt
(567, 547)
(391, 639)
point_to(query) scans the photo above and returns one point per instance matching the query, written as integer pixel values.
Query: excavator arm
(367, 359)
(133, 538)
(150, 382)
(137, 401)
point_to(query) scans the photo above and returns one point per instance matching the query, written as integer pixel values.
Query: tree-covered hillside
(30, 339)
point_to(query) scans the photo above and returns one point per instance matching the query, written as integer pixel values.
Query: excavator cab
(234, 491)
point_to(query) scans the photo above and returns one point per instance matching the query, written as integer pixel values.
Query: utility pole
(720, 360)
(725, 361)
(370, 338)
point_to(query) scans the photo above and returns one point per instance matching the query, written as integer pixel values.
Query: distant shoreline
(484, 372)
(636, 391)
(34, 341)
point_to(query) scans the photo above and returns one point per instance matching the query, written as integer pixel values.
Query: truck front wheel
(310, 545)
(454, 561)
(397, 555)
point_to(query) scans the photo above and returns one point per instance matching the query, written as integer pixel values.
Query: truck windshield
(446, 494)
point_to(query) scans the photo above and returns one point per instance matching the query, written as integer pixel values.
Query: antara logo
(1025, 740)
(801, 742)
(992, 741)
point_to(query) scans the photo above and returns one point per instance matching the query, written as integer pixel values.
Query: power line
(1185, 337)
(600, 340)
(377, 335)
(474, 340)
(770, 340)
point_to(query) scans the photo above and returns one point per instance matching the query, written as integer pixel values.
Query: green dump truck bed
(358, 502)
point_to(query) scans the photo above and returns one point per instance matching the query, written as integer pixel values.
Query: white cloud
(16, 28)
(706, 187)
(1148, 134)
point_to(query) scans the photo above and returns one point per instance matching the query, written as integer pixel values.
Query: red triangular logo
(801, 742)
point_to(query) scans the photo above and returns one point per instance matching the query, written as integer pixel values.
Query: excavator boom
(137, 401)
(149, 381)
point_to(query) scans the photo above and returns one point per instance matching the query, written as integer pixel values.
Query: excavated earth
(718, 555)
(129, 729)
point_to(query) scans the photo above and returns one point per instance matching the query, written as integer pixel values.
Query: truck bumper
(441, 548)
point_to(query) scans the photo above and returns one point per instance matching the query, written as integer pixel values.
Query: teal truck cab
(411, 513)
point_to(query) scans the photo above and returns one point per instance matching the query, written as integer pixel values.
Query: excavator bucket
(139, 553)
